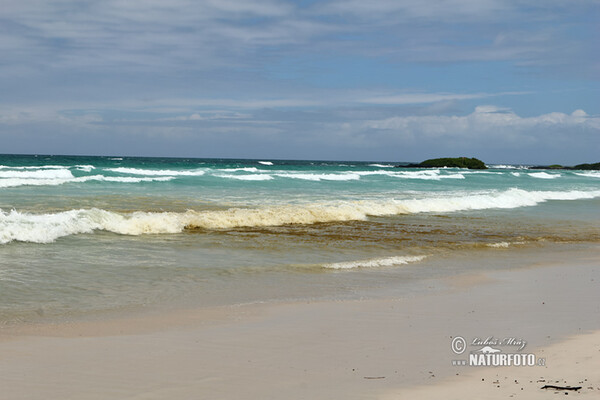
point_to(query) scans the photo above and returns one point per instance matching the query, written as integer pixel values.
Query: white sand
(572, 363)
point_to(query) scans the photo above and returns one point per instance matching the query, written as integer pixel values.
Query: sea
(84, 237)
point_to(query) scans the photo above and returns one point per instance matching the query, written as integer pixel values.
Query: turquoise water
(81, 235)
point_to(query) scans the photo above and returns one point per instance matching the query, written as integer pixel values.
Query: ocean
(88, 236)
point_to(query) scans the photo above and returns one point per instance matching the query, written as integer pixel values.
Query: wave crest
(53, 173)
(16, 182)
(375, 262)
(45, 228)
(544, 175)
(155, 172)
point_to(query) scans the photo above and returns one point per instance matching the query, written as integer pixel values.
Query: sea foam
(375, 262)
(544, 175)
(429, 175)
(592, 174)
(34, 167)
(51, 173)
(16, 182)
(244, 169)
(322, 177)
(381, 165)
(155, 172)
(260, 177)
(44, 228)
(85, 168)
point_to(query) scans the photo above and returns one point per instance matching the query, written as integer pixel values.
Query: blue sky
(404, 80)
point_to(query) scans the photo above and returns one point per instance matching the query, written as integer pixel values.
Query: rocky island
(595, 166)
(456, 162)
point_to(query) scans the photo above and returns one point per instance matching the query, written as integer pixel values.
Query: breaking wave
(428, 175)
(433, 174)
(262, 177)
(505, 166)
(85, 168)
(504, 245)
(593, 174)
(381, 165)
(544, 175)
(265, 162)
(45, 228)
(320, 177)
(51, 173)
(245, 169)
(375, 262)
(155, 172)
(16, 182)
(34, 167)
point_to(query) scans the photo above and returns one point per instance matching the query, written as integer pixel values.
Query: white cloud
(417, 98)
(29, 115)
(485, 121)
(579, 113)
(209, 116)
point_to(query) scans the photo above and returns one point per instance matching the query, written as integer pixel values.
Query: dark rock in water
(457, 162)
(595, 166)
(553, 166)
(474, 163)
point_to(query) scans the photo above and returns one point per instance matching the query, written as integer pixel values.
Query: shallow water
(90, 234)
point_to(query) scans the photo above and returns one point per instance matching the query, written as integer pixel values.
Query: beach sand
(390, 348)
(572, 363)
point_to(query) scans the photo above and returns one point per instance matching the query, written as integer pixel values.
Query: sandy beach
(573, 363)
(299, 200)
(370, 348)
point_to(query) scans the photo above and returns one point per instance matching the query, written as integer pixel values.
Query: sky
(507, 81)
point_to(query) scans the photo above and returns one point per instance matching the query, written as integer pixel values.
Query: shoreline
(432, 274)
(322, 349)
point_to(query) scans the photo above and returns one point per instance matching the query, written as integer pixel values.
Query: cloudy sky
(396, 80)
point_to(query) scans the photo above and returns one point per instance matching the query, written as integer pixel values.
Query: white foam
(430, 175)
(379, 172)
(265, 162)
(505, 166)
(261, 177)
(246, 169)
(16, 182)
(44, 228)
(381, 165)
(515, 173)
(503, 245)
(34, 167)
(481, 172)
(320, 177)
(544, 175)
(375, 262)
(593, 174)
(156, 172)
(54, 173)
(127, 179)
(85, 168)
